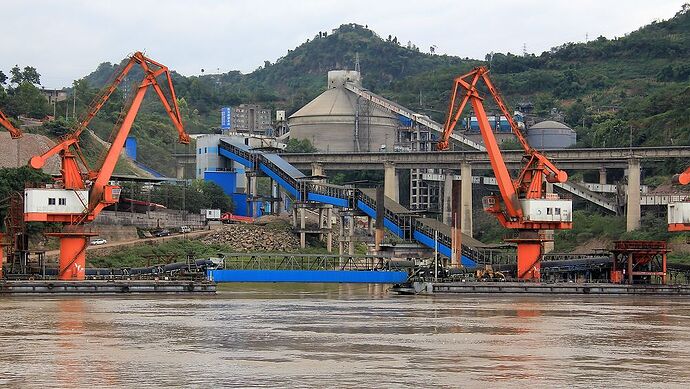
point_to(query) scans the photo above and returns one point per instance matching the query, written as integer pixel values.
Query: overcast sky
(67, 39)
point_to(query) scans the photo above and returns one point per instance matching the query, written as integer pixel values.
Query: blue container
(131, 147)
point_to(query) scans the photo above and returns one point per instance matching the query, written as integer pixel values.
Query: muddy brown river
(344, 336)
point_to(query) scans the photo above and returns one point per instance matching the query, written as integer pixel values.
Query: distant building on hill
(54, 95)
(249, 118)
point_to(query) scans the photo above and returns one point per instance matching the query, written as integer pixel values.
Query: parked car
(159, 233)
(185, 229)
(98, 242)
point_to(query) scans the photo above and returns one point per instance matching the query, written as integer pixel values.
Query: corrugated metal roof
(284, 166)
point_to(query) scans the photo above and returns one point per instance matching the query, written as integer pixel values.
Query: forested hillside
(604, 87)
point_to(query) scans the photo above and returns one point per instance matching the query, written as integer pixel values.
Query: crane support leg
(72, 262)
(530, 249)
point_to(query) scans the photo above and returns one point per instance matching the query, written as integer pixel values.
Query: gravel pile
(27, 146)
(253, 238)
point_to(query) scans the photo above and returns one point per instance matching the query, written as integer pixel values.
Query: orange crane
(679, 212)
(79, 196)
(523, 205)
(5, 122)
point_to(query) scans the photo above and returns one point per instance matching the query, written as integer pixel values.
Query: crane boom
(5, 122)
(523, 204)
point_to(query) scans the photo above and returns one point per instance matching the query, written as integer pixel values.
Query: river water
(344, 335)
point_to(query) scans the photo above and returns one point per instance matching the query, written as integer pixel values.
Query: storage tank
(338, 121)
(550, 134)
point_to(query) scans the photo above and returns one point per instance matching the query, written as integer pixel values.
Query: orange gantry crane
(679, 212)
(523, 204)
(77, 196)
(5, 122)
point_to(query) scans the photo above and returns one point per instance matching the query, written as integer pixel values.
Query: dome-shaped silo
(339, 121)
(551, 134)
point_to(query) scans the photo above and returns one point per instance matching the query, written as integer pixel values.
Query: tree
(300, 146)
(3, 77)
(30, 74)
(16, 75)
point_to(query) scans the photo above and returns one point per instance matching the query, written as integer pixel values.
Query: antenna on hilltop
(357, 69)
(524, 49)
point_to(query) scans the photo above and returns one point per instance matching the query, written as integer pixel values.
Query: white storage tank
(551, 134)
(338, 121)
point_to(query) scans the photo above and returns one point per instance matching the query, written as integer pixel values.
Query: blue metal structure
(398, 220)
(309, 276)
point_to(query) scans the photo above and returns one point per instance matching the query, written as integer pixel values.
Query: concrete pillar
(602, 176)
(341, 236)
(448, 197)
(351, 235)
(179, 171)
(390, 181)
(329, 224)
(633, 207)
(317, 169)
(466, 198)
(302, 226)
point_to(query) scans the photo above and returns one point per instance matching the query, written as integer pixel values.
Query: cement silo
(550, 134)
(340, 121)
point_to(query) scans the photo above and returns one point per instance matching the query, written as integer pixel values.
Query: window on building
(199, 150)
(205, 150)
(556, 211)
(51, 201)
(62, 201)
(548, 211)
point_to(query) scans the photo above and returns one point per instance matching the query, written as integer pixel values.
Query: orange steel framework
(73, 238)
(530, 182)
(682, 179)
(5, 122)
(633, 260)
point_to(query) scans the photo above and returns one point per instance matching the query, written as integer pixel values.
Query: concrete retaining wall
(151, 219)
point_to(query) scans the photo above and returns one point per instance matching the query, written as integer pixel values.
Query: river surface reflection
(344, 335)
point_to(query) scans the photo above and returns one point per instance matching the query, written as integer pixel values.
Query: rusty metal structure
(637, 261)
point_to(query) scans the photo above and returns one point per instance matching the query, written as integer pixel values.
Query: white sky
(67, 39)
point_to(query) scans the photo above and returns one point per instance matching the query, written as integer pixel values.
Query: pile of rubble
(254, 238)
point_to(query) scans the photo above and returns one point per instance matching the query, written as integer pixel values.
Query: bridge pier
(251, 194)
(179, 171)
(391, 181)
(602, 175)
(448, 197)
(632, 211)
(466, 198)
(317, 169)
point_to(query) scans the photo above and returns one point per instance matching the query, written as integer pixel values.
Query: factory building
(339, 120)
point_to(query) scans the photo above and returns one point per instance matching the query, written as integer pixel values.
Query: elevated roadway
(569, 159)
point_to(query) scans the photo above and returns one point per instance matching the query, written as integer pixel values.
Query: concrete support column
(390, 181)
(448, 197)
(302, 226)
(602, 176)
(329, 224)
(351, 235)
(466, 198)
(317, 169)
(633, 207)
(341, 237)
(179, 171)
